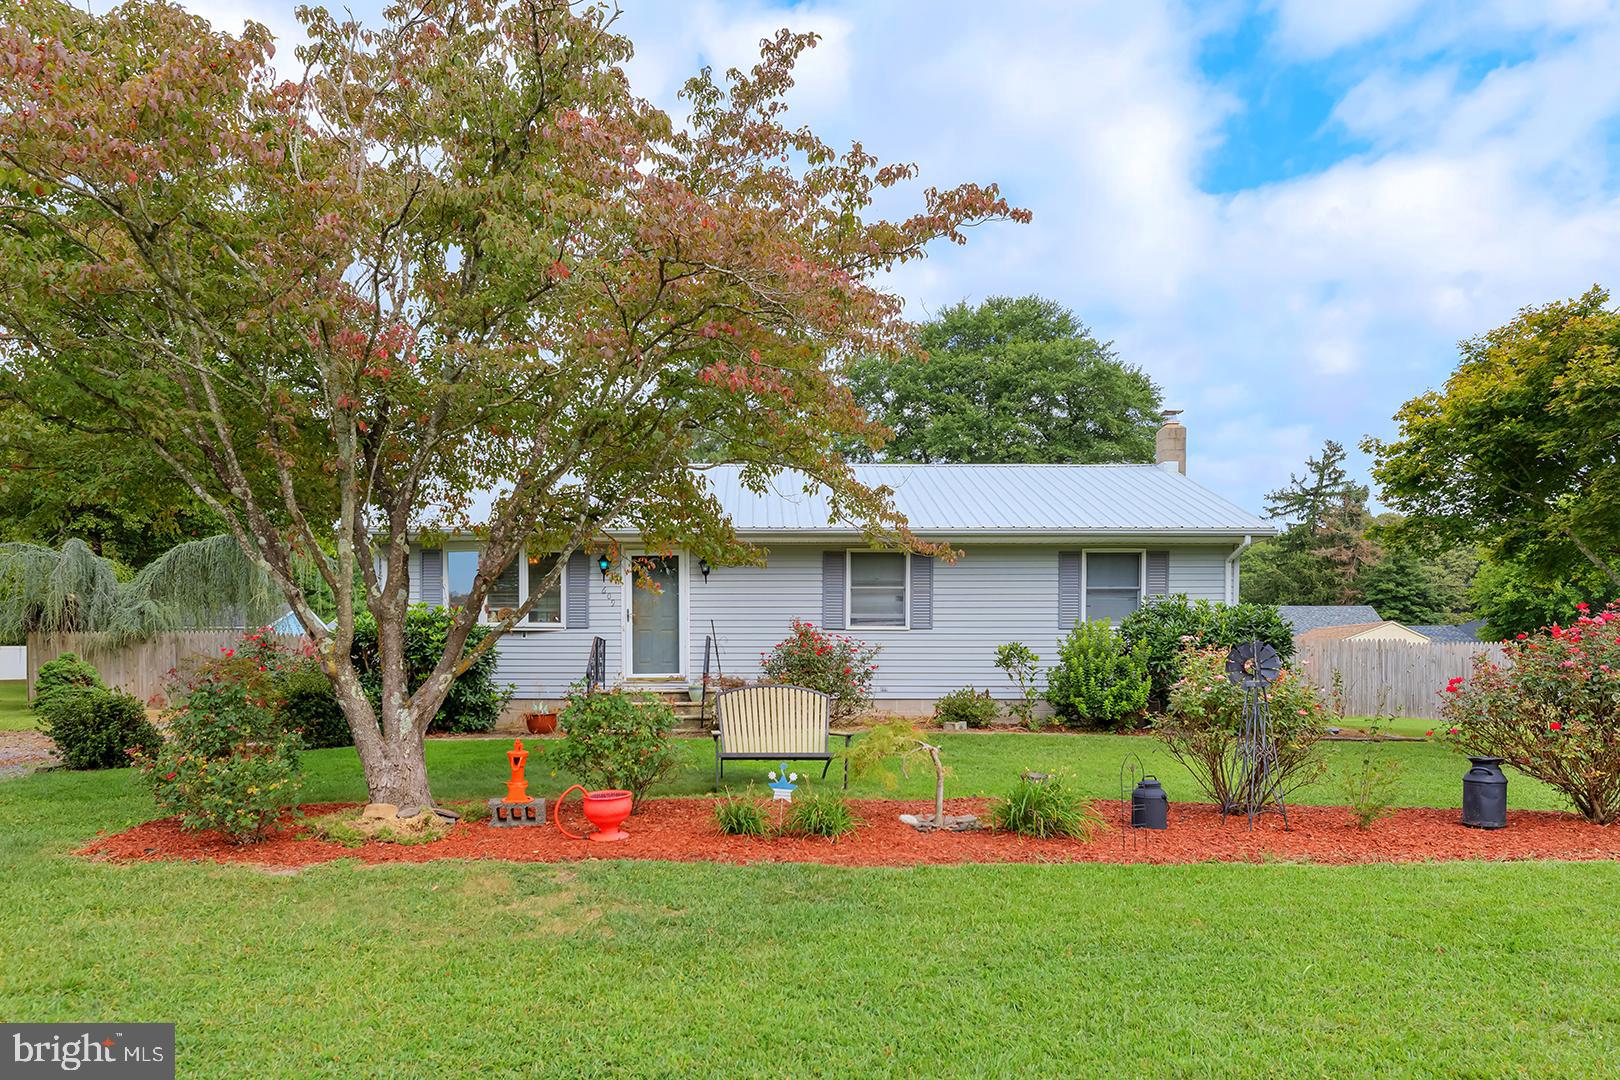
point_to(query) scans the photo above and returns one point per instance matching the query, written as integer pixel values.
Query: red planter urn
(540, 723)
(604, 809)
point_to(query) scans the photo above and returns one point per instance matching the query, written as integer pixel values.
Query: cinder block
(504, 814)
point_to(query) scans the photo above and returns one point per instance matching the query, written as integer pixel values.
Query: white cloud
(1283, 314)
(1313, 28)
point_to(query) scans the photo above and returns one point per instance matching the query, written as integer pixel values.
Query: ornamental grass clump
(1205, 719)
(741, 815)
(837, 665)
(1553, 712)
(820, 813)
(1045, 809)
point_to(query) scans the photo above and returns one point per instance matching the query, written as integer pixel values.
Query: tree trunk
(401, 776)
(392, 754)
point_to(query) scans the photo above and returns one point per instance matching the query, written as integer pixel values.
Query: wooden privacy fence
(1391, 677)
(140, 667)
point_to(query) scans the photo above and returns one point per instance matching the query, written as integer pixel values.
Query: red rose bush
(1553, 712)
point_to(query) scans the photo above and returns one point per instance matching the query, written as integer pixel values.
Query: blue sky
(1287, 211)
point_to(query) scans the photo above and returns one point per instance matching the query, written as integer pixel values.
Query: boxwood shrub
(1164, 626)
(96, 728)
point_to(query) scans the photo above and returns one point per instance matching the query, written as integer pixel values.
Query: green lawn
(656, 969)
(15, 715)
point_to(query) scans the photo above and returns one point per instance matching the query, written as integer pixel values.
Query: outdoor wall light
(604, 564)
(704, 568)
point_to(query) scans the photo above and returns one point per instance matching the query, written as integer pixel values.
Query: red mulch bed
(683, 830)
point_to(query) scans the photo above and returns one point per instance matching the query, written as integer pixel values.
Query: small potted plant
(540, 723)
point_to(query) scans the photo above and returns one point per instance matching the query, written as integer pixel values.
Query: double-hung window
(878, 594)
(548, 609)
(527, 571)
(1113, 584)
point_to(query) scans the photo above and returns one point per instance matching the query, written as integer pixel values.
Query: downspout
(1232, 570)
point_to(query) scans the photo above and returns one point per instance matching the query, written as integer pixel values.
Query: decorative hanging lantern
(604, 564)
(704, 568)
(1485, 794)
(1150, 806)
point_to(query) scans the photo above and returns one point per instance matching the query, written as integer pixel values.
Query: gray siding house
(1042, 546)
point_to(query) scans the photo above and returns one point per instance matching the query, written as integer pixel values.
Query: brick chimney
(1170, 443)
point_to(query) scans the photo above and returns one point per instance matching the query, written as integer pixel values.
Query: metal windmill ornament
(1254, 666)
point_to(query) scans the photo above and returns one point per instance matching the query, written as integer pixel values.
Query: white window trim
(849, 585)
(1141, 577)
(523, 625)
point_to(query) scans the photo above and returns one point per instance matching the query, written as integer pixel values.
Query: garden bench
(774, 723)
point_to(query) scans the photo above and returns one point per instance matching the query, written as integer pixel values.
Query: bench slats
(770, 720)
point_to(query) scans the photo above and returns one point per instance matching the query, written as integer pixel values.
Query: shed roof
(1342, 632)
(1307, 617)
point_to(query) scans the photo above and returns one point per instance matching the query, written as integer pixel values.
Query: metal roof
(961, 500)
(1305, 617)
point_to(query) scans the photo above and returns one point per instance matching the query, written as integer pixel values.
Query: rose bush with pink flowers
(1552, 713)
(837, 665)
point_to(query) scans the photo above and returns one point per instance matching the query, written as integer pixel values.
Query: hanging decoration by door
(1254, 666)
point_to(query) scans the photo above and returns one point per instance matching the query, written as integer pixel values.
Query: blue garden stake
(782, 783)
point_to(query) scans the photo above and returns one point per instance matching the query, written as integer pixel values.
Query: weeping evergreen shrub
(207, 582)
(1099, 681)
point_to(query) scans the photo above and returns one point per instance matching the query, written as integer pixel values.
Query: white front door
(655, 618)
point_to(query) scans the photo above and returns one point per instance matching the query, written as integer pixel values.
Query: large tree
(452, 273)
(1011, 380)
(1515, 599)
(1324, 546)
(60, 483)
(1521, 450)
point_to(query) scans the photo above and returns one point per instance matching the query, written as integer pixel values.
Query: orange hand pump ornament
(517, 788)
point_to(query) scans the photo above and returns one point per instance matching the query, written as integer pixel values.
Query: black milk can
(1485, 794)
(1150, 806)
